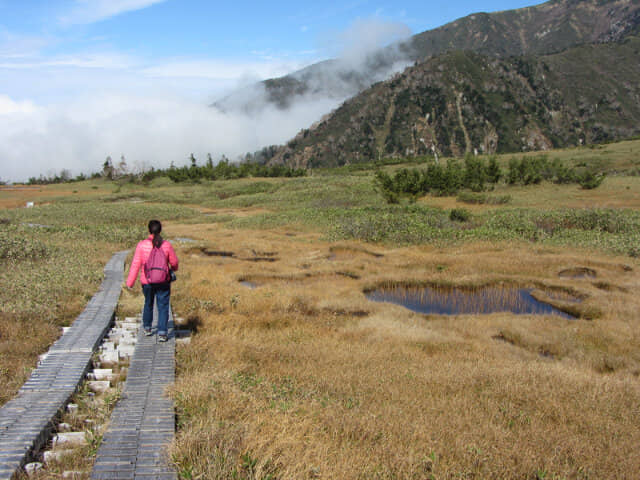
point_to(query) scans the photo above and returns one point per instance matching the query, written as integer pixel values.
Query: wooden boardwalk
(143, 421)
(27, 420)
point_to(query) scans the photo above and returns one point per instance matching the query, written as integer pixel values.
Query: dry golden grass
(615, 192)
(302, 377)
(17, 196)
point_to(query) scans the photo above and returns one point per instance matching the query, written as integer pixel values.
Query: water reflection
(464, 300)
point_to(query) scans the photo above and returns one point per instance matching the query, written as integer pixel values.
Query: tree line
(252, 166)
(479, 174)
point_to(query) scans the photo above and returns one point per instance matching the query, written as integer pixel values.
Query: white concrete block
(32, 468)
(132, 319)
(65, 330)
(69, 439)
(130, 326)
(115, 335)
(72, 408)
(99, 386)
(64, 427)
(102, 374)
(108, 346)
(55, 455)
(126, 351)
(123, 334)
(127, 341)
(71, 474)
(109, 357)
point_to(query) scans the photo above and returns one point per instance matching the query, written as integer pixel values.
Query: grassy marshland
(303, 377)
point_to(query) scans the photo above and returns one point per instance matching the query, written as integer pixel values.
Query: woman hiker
(156, 256)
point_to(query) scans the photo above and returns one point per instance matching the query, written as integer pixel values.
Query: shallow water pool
(464, 300)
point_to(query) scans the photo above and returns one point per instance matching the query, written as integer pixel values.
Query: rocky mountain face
(543, 29)
(547, 28)
(463, 101)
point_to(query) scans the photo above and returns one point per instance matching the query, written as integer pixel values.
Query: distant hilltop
(540, 30)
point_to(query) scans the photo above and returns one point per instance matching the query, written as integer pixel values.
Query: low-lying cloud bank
(148, 131)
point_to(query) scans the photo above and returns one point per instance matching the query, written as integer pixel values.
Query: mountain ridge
(546, 28)
(464, 101)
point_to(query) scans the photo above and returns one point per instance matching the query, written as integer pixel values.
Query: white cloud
(91, 11)
(15, 46)
(365, 36)
(8, 106)
(150, 130)
(71, 75)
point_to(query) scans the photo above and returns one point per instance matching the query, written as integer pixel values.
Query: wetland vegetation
(303, 376)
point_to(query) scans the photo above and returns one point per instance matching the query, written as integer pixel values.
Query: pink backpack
(156, 268)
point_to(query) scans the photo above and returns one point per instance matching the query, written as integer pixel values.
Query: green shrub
(533, 170)
(459, 215)
(493, 171)
(383, 184)
(590, 179)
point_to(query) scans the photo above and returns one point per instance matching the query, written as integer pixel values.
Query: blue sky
(76, 63)
(191, 39)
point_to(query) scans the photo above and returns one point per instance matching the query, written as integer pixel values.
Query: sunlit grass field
(295, 374)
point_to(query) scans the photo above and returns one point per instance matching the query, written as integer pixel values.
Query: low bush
(459, 215)
(590, 179)
(533, 170)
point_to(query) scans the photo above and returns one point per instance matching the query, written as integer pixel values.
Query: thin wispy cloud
(220, 69)
(108, 61)
(365, 36)
(91, 11)
(16, 46)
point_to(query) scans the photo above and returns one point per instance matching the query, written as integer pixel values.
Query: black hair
(155, 227)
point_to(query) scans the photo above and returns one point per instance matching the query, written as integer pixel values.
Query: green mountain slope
(463, 101)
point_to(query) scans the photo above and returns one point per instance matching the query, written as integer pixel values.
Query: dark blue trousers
(161, 293)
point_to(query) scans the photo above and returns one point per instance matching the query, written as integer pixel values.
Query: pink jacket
(143, 250)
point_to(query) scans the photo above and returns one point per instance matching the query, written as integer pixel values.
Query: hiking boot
(148, 332)
(162, 338)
